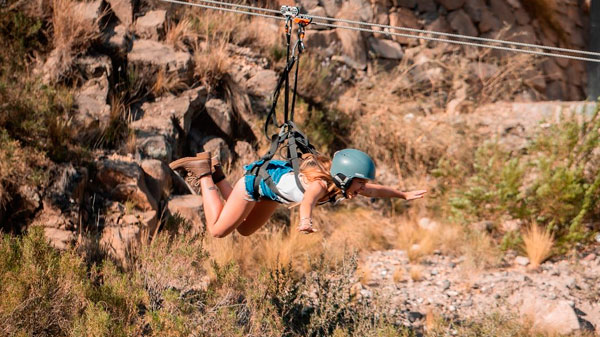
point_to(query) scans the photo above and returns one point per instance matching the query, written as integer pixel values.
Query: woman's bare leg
(259, 215)
(222, 219)
(225, 188)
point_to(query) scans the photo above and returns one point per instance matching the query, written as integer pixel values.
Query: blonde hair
(317, 167)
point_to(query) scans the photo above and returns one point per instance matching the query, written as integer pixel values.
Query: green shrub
(551, 183)
(44, 292)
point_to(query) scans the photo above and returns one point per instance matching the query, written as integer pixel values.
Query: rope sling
(297, 142)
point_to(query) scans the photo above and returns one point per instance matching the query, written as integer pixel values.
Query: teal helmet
(348, 164)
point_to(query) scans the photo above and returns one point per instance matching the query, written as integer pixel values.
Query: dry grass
(365, 274)
(282, 247)
(359, 229)
(181, 34)
(74, 32)
(479, 252)
(167, 82)
(416, 273)
(537, 244)
(212, 62)
(399, 275)
(419, 242)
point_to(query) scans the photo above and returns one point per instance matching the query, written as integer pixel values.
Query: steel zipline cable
(248, 10)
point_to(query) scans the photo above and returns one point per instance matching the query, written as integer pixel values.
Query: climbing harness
(289, 135)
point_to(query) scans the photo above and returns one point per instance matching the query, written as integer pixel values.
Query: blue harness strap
(265, 183)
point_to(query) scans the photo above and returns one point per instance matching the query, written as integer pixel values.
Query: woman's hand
(412, 195)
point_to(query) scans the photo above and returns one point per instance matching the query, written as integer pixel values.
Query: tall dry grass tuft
(537, 244)
(359, 229)
(283, 247)
(419, 242)
(167, 82)
(182, 34)
(212, 62)
(75, 30)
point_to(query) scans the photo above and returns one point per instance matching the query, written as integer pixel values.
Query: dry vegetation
(538, 244)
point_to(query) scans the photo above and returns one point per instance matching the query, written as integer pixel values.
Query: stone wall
(561, 23)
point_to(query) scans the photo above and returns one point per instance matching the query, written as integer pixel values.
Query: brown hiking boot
(217, 170)
(198, 166)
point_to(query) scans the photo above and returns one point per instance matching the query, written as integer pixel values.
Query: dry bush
(42, 290)
(18, 166)
(537, 244)
(170, 262)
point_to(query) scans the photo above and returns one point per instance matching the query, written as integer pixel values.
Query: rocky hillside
(97, 97)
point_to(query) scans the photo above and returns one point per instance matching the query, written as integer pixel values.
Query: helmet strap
(343, 182)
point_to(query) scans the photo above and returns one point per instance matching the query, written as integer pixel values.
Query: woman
(348, 174)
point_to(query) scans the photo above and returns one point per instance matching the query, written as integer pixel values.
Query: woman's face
(357, 186)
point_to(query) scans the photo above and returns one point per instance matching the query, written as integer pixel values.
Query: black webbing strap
(282, 79)
(295, 88)
(288, 36)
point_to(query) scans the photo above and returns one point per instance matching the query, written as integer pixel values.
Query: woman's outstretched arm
(313, 193)
(381, 191)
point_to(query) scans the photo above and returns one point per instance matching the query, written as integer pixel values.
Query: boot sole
(179, 162)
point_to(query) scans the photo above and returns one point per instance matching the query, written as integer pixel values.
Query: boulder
(218, 147)
(94, 66)
(489, 22)
(426, 6)
(263, 83)
(150, 145)
(158, 178)
(149, 54)
(451, 5)
(461, 23)
(440, 25)
(92, 113)
(221, 113)
(123, 10)
(403, 18)
(117, 39)
(158, 130)
(320, 39)
(332, 7)
(119, 238)
(151, 25)
(64, 198)
(503, 12)
(125, 182)
(245, 152)
(410, 4)
(309, 4)
(59, 238)
(550, 316)
(522, 16)
(353, 48)
(189, 207)
(556, 90)
(525, 34)
(386, 49)
(475, 9)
